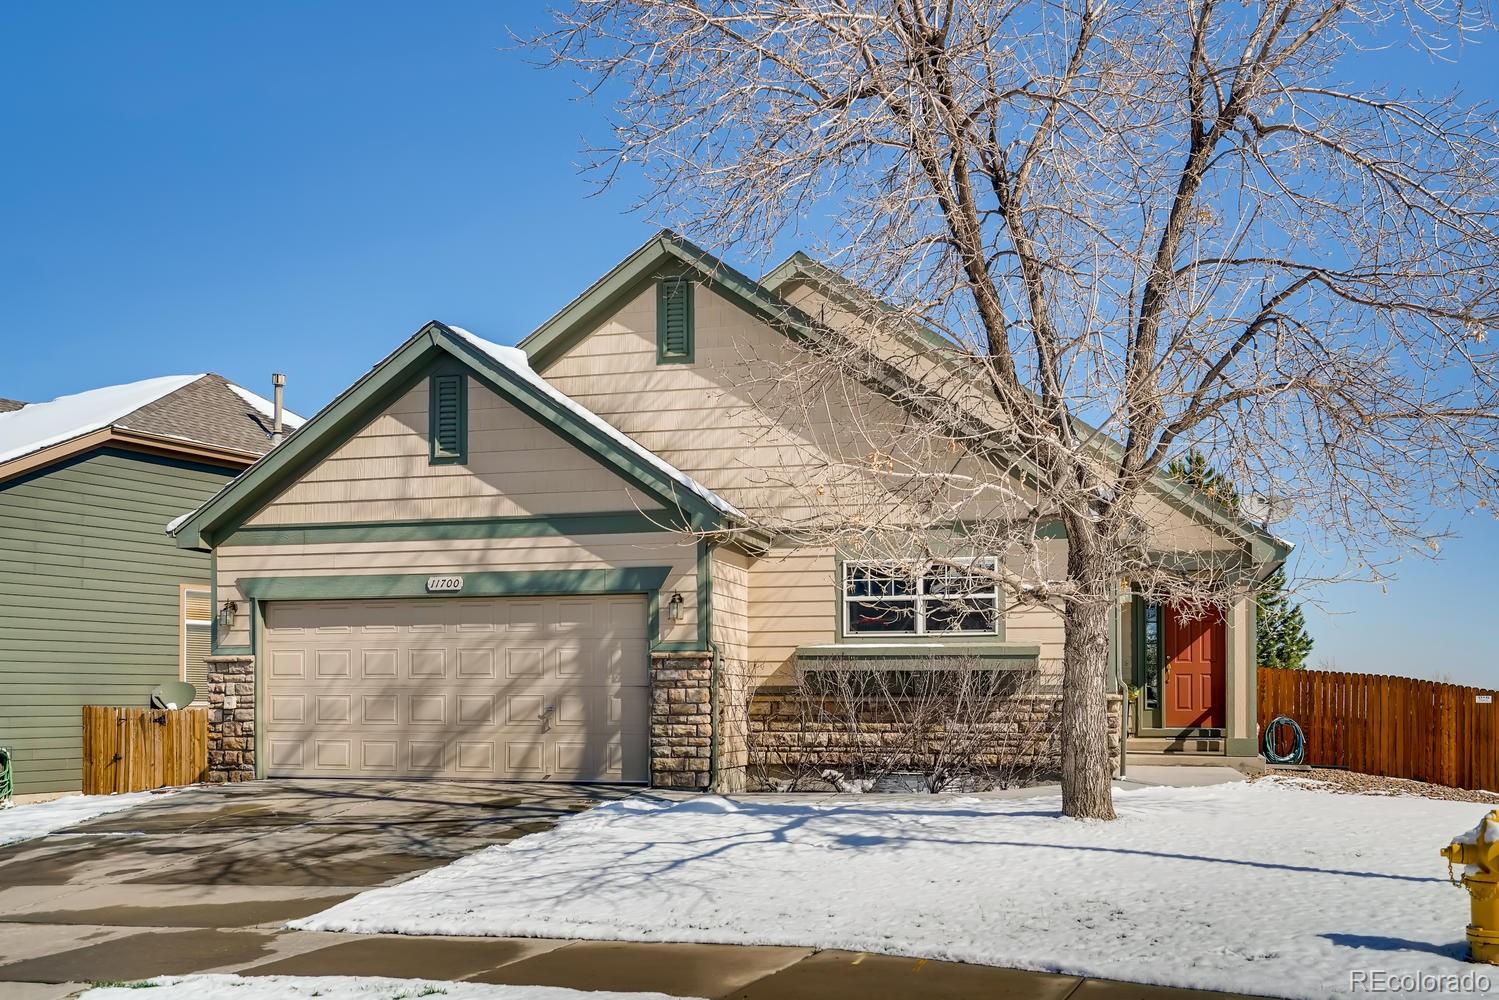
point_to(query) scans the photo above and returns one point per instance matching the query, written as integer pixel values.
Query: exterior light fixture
(674, 607)
(226, 615)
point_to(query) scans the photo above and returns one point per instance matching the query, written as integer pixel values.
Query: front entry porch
(1193, 679)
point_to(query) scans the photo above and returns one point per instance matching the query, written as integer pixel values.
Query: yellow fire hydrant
(1478, 851)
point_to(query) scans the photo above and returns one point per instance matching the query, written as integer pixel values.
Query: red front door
(1196, 652)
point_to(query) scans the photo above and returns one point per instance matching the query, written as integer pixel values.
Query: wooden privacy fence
(1393, 726)
(137, 749)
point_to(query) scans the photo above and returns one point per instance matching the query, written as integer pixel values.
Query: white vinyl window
(196, 639)
(881, 598)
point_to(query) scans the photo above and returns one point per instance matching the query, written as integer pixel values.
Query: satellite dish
(173, 694)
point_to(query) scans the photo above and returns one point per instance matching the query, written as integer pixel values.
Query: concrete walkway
(203, 880)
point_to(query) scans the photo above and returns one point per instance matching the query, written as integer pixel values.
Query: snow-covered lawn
(1259, 888)
(336, 988)
(37, 819)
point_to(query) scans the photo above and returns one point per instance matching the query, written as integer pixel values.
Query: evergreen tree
(1282, 637)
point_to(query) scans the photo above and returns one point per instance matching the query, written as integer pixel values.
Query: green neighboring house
(97, 605)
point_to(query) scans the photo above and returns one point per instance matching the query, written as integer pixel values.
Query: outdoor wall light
(674, 607)
(226, 615)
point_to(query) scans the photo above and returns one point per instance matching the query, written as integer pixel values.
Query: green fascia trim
(393, 377)
(918, 650)
(460, 456)
(602, 523)
(664, 252)
(311, 442)
(518, 583)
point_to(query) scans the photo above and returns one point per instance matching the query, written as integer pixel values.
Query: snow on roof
(41, 425)
(514, 359)
(265, 407)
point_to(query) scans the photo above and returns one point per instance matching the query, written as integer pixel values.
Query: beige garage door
(547, 689)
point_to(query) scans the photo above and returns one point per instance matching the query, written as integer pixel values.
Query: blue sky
(256, 187)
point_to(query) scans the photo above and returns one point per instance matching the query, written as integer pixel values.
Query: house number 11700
(444, 584)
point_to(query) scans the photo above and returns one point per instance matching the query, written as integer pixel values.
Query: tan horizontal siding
(516, 467)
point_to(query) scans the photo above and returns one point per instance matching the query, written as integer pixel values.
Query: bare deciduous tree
(1135, 230)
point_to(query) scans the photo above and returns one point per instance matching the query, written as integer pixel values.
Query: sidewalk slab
(172, 905)
(19, 942)
(697, 970)
(141, 956)
(405, 957)
(844, 975)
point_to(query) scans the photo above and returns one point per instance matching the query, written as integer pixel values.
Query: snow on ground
(37, 819)
(1258, 888)
(215, 987)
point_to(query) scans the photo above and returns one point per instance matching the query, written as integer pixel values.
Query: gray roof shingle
(206, 411)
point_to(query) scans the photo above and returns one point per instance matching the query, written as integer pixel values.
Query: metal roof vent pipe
(278, 388)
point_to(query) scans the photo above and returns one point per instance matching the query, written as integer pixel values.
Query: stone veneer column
(231, 718)
(681, 719)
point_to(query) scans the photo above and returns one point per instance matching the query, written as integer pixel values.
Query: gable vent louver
(449, 418)
(674, 320)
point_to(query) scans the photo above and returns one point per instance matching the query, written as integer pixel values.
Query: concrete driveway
(203, 880)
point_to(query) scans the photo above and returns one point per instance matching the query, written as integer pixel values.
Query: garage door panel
(503, 688)
(288, 663)
(476, 662)
(522, 617)
(425, 663)
(476, 709)
(525, 661)
(335, 708)
(333, 663)
(427, 709)
(379, 756)
(375, 664)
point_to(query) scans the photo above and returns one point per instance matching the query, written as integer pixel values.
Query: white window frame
(183, 621)
(919, 599)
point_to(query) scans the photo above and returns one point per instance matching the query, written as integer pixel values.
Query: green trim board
(647, 580)
(432, 348)
(919, 650)
(546, 525)
(517, 583)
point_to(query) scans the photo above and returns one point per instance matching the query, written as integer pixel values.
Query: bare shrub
(932, 724)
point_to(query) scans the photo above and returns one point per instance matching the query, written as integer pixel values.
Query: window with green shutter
(448, 415)
(674, 321)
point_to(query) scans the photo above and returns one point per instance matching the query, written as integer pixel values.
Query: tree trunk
(1087, 764)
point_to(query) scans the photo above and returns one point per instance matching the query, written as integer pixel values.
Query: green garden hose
(7, 784)
(1298, 741)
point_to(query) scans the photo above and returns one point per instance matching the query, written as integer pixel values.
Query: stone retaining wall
(789, 733)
